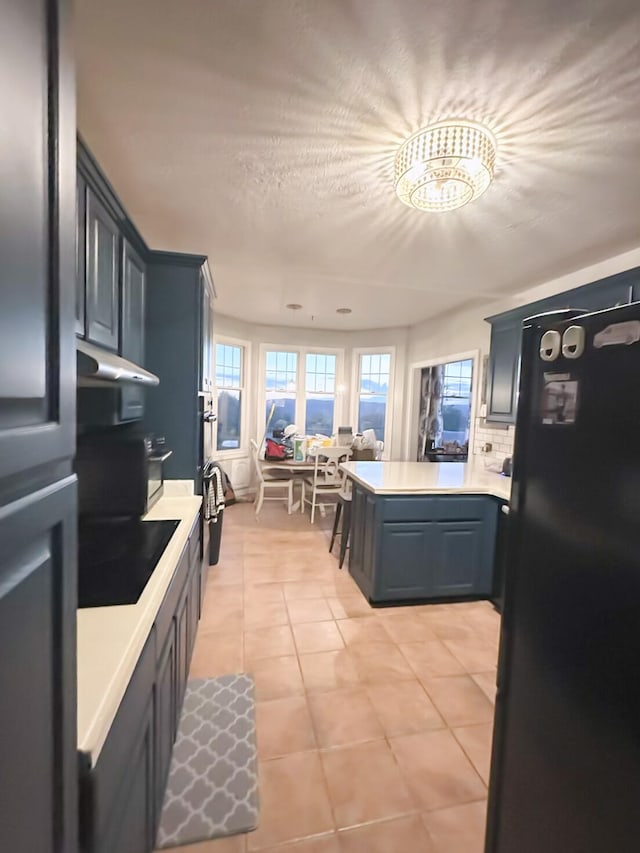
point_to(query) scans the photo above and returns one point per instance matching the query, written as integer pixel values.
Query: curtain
(430, 425)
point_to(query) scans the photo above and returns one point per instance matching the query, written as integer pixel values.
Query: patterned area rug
(213, 781)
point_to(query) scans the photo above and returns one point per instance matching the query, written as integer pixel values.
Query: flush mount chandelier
(445, 166)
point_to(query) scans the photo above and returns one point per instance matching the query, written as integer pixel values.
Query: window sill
(238, 453)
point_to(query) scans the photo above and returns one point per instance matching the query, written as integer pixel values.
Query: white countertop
(419, 478)
(110, 639)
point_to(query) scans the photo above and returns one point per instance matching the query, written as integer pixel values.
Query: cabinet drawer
(461, 508)
(420, 508)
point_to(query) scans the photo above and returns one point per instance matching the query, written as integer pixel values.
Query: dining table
(289, 468)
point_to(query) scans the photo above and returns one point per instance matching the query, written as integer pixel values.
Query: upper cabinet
(103, 275)
(132, 329)
(503, 370)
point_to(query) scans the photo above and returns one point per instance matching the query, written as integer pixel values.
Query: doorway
(445, 408)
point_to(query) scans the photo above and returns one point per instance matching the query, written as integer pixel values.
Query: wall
(466, 330)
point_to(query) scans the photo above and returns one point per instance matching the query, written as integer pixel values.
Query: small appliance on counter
(119, 479)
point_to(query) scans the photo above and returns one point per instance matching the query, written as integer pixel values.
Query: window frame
(301, 389)
(245, 356)
(357, 353)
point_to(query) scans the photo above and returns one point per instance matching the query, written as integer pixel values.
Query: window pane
(284, 412)
(271, 360)
(319, 414)
(385, 362)
(229, 420)
(371, 414)
(228, 366)
(365, 364)
(311, 363)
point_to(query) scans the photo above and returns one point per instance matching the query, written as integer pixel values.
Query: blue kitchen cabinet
(132, 328)
(460, 567)
(422, 547)
(409, 548)
(103, 275)
(503, 370)
(38, 509)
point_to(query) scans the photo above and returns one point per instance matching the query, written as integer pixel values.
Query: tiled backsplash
(500, 439)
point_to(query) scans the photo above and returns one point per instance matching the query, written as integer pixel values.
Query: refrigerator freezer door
(565, 774)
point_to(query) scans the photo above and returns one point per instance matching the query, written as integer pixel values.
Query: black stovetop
(116, 558)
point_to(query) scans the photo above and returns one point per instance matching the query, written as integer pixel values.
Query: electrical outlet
(487, 448)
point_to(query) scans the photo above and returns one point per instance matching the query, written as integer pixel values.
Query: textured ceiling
(262, 133)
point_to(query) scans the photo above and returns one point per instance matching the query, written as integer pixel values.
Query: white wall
(466, 329)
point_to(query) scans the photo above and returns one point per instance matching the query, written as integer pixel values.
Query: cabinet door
(132, 330)
(132, 827)
(165, 713)
(460, 564)
(37, 198)
(194, 610)
(503, 372)
(103, 268)
(38, 803)
(81, 254)
(407, 557)
(182, 651)
(356, 537)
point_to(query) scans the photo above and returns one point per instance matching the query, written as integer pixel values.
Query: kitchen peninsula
(424, 531)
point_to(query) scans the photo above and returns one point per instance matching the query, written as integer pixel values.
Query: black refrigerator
(565, 772)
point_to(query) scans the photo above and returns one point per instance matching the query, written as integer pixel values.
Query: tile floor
(374, 725)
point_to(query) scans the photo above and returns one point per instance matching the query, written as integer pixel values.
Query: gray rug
(213, 781)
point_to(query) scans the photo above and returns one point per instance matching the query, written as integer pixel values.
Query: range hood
(98, 368)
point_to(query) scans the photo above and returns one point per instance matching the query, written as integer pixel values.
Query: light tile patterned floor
(374, 725)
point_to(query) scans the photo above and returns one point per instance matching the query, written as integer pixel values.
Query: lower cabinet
(121, 796)
(165, 712)
(422, 547)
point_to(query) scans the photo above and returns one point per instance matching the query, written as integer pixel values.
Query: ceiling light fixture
(445, 166)
(293, 306)
(343, 310)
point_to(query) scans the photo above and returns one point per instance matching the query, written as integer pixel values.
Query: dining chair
(267, 484)
(327, 477)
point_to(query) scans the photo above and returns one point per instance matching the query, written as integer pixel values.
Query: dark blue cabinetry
(506, 331)
(178, 346)
(132, 328)
(103, 275)
(122, 794)
(38, 544)
(407, 548)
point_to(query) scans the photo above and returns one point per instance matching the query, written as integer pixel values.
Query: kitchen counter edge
(111, 639)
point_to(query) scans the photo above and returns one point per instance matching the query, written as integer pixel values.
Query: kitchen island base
(422, 547)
